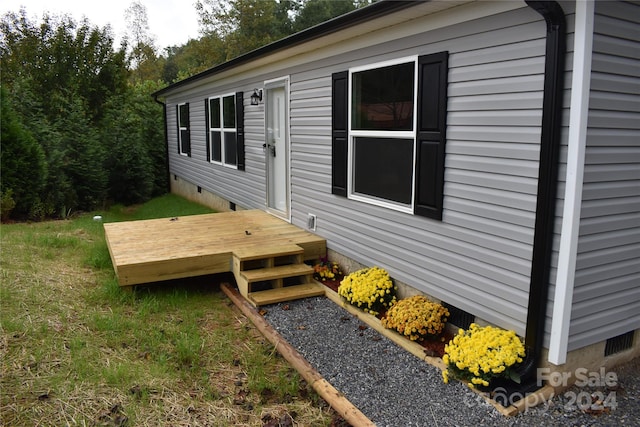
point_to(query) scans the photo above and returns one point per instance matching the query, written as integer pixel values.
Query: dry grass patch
(76, 350)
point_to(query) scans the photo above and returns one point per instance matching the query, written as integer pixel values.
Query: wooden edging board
(333, 397)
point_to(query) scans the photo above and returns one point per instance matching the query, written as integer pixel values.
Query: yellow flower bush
(370, 289)
(416, 318)
(480, 354)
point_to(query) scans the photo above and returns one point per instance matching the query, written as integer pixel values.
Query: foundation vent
(620, 343)
(459, 317)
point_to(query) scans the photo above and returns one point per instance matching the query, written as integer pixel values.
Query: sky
(171, 22)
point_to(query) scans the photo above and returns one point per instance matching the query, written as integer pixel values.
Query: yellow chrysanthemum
(481, 353)
(416, 317)
(369, 287)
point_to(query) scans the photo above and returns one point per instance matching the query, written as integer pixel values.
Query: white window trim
(222, 130)
(352, 134)
(180, 129)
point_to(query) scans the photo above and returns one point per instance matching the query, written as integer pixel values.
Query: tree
(245, 25)
(20, 153)
(313, 12)
(62, 55)
(193, 57)
(136, 154)
(63, 73)
(144, 58)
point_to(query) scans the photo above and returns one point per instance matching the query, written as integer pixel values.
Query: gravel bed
(394, 388)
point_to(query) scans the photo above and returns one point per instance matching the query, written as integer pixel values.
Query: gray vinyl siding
(606, 300)
(244, 188)
(478, 257)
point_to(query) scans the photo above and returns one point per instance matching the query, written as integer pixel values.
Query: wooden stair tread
(278, 272)
(267, 251)
(287, 293)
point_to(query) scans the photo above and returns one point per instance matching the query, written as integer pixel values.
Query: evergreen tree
(63, 73)
(136, 152)
(22, 163)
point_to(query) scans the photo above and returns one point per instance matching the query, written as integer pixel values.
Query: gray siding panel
(614, 274)
(505, 102)
(607, 284)
(478, 257)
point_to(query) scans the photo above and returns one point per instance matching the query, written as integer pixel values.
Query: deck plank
(151, 250)
(279, 272)
(288, 293)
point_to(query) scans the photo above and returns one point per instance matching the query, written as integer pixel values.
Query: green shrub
(6, 203)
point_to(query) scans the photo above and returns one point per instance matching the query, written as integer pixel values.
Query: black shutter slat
(431, 134)
(207, 134)
(339, 122)
(178, 127)
(240, 129)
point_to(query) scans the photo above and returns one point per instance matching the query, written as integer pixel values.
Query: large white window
(223, 143)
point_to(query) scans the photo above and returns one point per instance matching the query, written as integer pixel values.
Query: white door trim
(281, 82)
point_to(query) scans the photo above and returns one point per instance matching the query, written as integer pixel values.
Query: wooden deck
(170, 248)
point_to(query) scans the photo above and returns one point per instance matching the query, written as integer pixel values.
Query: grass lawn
(77, 350)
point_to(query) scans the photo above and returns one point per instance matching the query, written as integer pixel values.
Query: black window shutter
(207, 134)
(187, 143)
(240, 129)
(431, 134)
(339, 123)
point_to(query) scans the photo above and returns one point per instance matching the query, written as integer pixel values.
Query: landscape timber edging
(333, 397)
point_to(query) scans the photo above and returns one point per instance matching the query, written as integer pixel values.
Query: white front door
(277, 147)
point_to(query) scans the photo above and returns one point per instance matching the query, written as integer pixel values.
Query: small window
(184, 135)
(222, 130)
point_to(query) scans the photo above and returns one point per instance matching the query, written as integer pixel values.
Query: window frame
(352, 134)
(222, 130)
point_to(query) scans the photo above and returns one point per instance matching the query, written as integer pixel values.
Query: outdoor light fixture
(256, 97)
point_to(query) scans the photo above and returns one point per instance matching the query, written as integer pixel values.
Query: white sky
(171, 22)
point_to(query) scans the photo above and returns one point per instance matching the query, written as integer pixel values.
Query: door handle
(272, 148)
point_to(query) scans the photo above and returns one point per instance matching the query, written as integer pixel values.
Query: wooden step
(279, 272)
(267, 251)
(288, 293)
